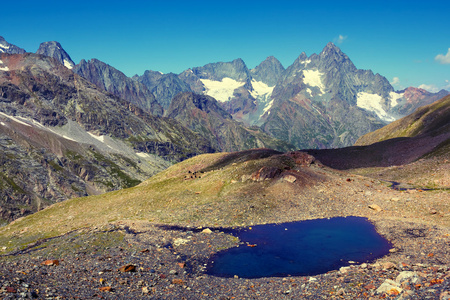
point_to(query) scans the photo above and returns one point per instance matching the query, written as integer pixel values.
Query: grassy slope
(431, 119)
(167, 197)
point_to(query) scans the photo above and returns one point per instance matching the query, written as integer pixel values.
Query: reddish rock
(369, 287)
(50, 262)
(106, 289)
(266, 173)
(127, 268)
(177, 281)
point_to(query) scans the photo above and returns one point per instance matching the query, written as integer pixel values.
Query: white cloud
(395, 81)
(429, 87)
(443, 59)
(340, 39)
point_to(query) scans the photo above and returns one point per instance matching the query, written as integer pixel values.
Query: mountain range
(69, 130)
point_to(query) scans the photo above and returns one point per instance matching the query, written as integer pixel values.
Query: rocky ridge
(113, 81)
(71, 139)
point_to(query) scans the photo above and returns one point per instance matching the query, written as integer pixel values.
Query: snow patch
(221, 90)
(314, 78)
(2, 123)
(5, 68)
(100, 138)
(260, 89)
(394, 97)
(373, 103)
(268, 106)
(16, 119)
(142, 154)
(4, 46)
(68, 64)
(305, 62)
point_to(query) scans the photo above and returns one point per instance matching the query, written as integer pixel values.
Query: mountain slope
(433, 119)
(425, 133)
(203, 115)
(163, 86)
(6, 47)
(71, 139)
(112, 80)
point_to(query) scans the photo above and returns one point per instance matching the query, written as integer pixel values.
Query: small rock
(388, 265)
(290, 178)
(50, 262)
(179, 241)
(145, 290)
(389, 287)
(364, 266)
(127, 268)
(207, 230)
(173, 272)
(405, 275)
(395, 199)
(375, 207)
(177, 281)
(106, 289)
(340, 292)
(344, 270)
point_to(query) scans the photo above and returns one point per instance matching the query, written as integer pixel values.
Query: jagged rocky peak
(268, 71)
(55, 50)
(189, 100)
(114, 81)
(236, 70)
(163, 86)
(6, 47)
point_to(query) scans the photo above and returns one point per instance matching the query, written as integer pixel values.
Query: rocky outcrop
(6, 47)
(55, 50)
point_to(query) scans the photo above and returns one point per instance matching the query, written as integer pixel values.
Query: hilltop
(158, 227)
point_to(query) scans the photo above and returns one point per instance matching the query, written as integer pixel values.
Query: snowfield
(394, 98)
(314, 78)
(221, 90)
(373, 103)
(68, 64)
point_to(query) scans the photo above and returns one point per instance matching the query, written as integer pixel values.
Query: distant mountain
(412, 98)
(320, 101)
(112, 80)
(6, 47)
(163, 86)
(269, 71)
(424, 133)
(431, 120)
(55, 50)
(203, 115)
(62, 137)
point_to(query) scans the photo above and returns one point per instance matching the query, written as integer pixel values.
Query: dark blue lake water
(300, 248)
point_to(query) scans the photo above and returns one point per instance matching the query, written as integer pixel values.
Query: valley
(116, 187)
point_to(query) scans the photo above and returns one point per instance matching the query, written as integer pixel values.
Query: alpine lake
(299, 248)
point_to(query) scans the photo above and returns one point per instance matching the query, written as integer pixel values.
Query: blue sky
(408, 42)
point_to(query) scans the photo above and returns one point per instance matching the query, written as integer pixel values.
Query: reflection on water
(300, 248)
